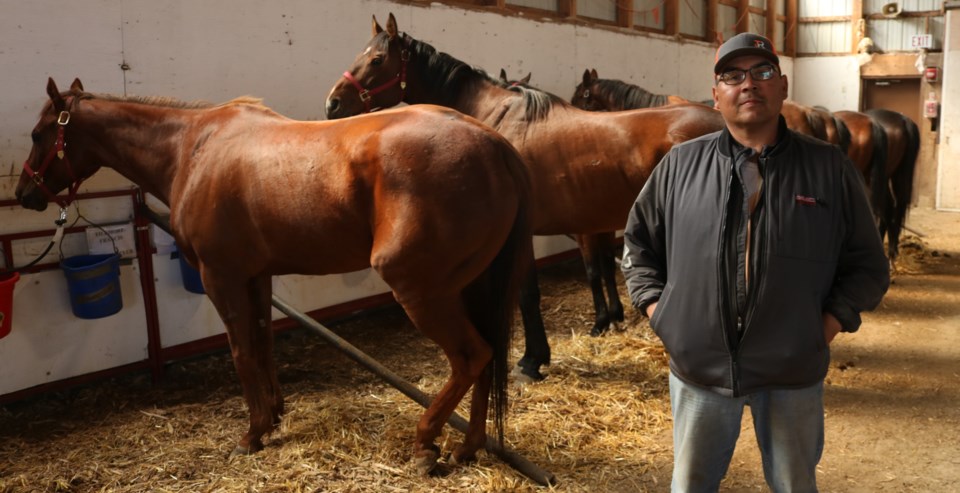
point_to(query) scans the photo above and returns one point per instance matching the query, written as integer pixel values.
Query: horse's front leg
(536, 347)
(244, 307)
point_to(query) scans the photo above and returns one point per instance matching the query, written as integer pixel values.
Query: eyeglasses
(758, 73)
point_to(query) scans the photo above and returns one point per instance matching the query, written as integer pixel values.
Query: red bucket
(6, 301)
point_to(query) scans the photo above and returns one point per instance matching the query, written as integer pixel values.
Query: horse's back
(351, 193)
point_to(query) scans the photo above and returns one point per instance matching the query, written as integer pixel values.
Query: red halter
(401, 78)
(58, 152)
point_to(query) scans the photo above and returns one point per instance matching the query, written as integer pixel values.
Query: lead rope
(57, 238)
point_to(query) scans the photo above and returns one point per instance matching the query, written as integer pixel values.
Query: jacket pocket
(662, 304)
(807, 228)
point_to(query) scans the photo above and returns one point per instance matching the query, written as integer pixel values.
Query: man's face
(751, 102)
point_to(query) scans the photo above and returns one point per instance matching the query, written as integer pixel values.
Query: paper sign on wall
(103, 241)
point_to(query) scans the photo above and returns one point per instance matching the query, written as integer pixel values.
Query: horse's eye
(376, 61)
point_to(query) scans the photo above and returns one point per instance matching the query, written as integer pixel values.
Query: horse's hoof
(598, 331)
(523, 376)
(460, 456)
(425, 461)
(617, 326)
(240, 451)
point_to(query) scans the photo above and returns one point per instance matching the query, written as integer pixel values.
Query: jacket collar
(730, 148)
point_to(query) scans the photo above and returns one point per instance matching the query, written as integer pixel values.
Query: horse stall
(144, 395)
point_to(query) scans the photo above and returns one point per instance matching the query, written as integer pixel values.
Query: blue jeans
(706, 426)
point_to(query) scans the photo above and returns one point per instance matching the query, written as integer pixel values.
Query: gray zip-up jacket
(814, 249)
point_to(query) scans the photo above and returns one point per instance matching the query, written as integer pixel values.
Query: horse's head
(524, 82)
(377, 78)
(586, 96)
(55, 162)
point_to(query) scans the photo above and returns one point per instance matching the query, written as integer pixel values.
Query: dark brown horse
(434, 201)
(586, 168)
(596, 94)
(903, 146)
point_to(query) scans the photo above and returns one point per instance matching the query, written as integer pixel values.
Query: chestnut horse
(434, 201)
(903, 146)
(586, 168)
(596, 94)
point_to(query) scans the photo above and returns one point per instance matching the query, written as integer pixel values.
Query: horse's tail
(495, 294)
(843, 133)
(878, 172)
(817, 125)
(902, 183)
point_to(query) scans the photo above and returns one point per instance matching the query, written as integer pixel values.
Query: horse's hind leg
(445, 321)
(476, 436)
(245, 310)
(591, 249)
(609, 266)
(536, 347)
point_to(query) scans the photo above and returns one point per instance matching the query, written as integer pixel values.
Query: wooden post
(790, 29)
(671, 17)
(855, 17)
(711, 28)
(771, 18)
(625, 13)
(567, 8)
(743, 16)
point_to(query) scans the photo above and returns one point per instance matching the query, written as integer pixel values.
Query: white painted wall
(948, 171)
(832, 82)
(289, 53)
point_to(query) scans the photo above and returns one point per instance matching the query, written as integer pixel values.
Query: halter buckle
(37, 178)
(365, 96)
(64, 118)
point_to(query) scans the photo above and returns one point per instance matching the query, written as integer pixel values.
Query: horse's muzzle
(333, 109)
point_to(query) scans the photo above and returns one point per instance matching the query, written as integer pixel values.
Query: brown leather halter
(58, 152)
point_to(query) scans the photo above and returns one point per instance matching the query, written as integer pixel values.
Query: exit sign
(921, 41)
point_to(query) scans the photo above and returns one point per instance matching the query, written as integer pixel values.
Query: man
(750, 249)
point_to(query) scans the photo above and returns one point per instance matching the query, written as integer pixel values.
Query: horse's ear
(77, 86)
(54, 93)
(526, 80)
(376, 26)
(503, 75)
(392, 26)
(586, 78)
(593, 74)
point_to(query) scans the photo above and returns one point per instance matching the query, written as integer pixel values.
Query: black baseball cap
(745, 44)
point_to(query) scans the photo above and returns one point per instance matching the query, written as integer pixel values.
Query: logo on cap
(759, 43)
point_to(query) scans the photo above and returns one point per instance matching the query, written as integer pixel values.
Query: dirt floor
(600, 422)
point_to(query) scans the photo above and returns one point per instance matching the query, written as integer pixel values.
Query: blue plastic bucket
(191, 277)
(94, 284)
(6, 302)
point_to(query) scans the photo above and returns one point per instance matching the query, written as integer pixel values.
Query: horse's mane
(448, 77)
(628, 96)
(168, 102)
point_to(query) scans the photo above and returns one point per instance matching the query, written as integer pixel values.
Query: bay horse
(434, 201)
(586, 168)
(868, 152)
(903, 147)
(596, 94)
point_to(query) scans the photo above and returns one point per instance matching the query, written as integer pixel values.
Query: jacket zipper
(729, 301)
(753, 292)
